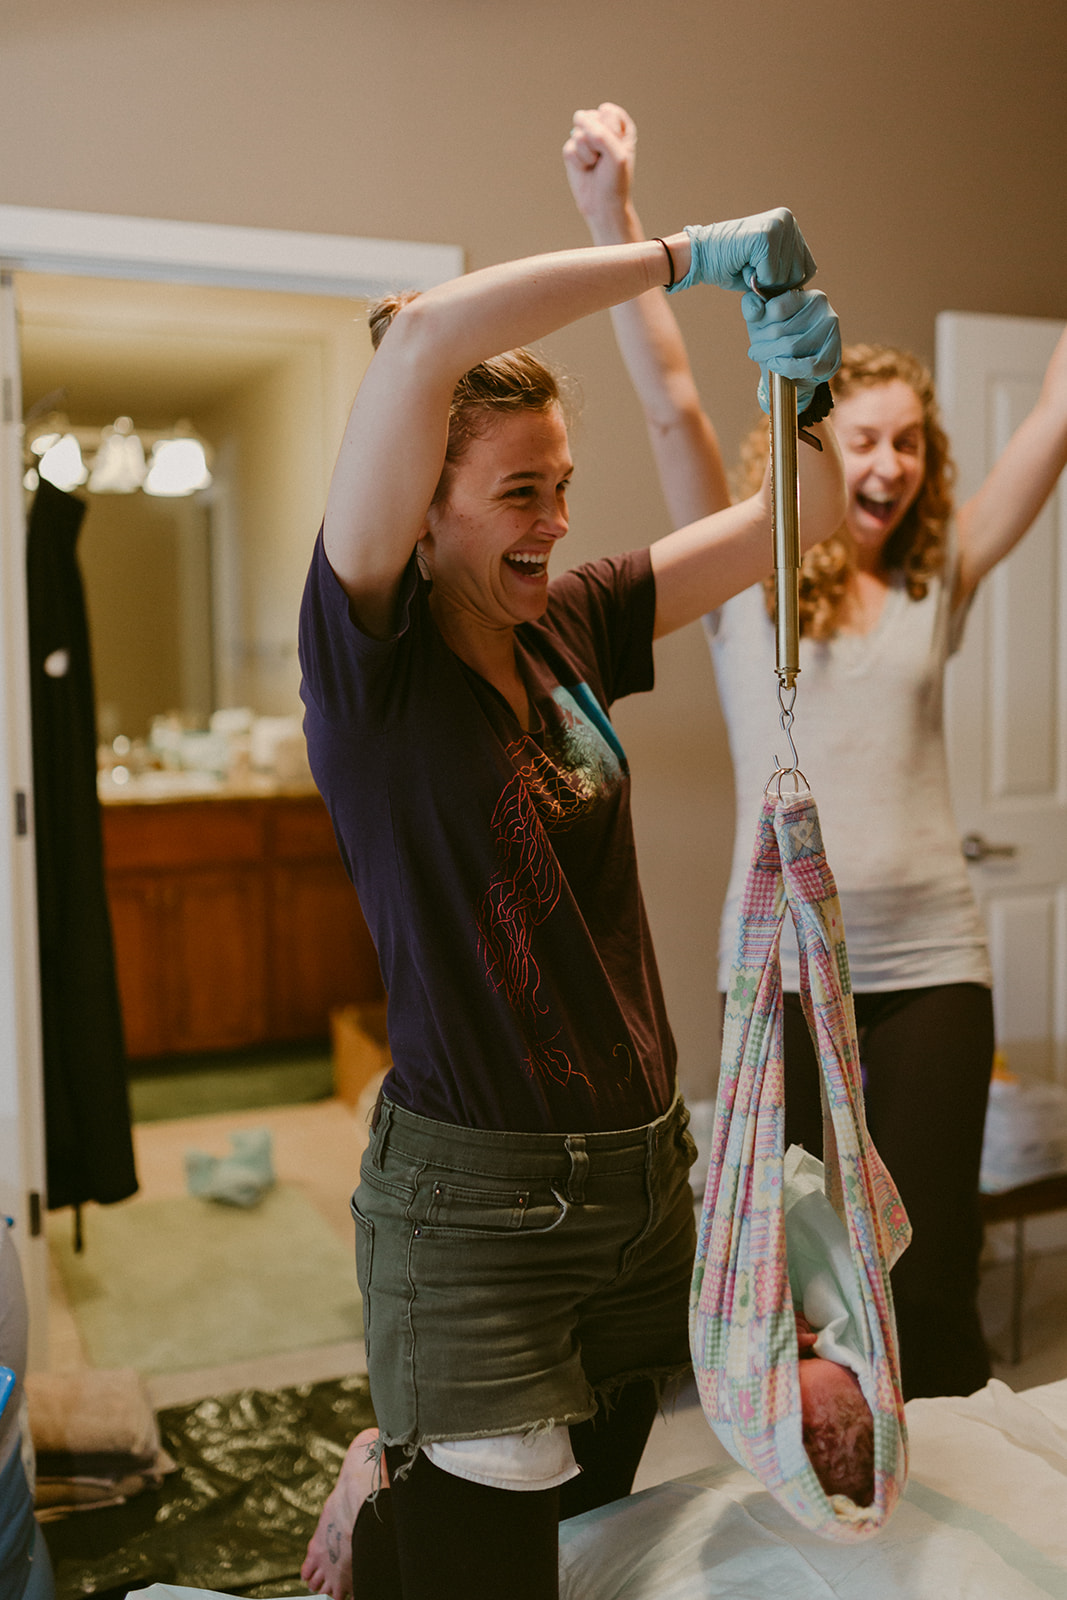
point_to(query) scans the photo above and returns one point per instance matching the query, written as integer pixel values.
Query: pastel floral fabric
(742, 1327)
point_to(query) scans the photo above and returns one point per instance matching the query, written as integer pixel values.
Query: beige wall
(922, 146)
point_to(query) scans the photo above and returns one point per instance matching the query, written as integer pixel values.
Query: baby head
(838, 1427)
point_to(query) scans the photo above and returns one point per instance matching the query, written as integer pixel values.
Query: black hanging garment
(87, 1115)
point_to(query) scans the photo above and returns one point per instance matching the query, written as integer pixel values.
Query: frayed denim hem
(667, 1382)
(531, 1430)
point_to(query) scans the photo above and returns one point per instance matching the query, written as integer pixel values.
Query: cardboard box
(360, 1048)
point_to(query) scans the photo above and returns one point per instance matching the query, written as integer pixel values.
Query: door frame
(90, 244)
(94, 245)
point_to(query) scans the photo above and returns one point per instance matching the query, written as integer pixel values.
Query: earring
(420, 561)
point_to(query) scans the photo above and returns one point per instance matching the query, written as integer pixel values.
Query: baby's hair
(515, 381)
(917, 547)
(840, 1447)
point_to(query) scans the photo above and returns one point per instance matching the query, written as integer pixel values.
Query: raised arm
(796, 334)
(700, 567)
(393, 447)
(992, 522)
(599, 160)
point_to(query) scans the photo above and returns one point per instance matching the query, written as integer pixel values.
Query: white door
(1007, 696)
(22, 1174)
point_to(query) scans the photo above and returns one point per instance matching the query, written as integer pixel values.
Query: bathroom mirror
(193, 602)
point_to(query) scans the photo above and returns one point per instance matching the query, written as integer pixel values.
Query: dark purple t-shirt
(495, 867)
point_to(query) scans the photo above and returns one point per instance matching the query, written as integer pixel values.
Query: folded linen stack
(96, 1438)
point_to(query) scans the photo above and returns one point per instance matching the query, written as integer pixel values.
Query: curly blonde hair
(515, 381)
(917, 547)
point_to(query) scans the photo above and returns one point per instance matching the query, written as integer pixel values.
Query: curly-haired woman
(883, 604)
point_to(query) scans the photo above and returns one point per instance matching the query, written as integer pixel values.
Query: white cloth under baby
(822, 1275)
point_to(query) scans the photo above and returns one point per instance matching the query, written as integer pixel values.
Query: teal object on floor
(240, 1179)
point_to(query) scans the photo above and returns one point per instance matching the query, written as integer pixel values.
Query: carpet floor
(174, 1284)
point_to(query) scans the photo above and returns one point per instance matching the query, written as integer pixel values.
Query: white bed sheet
(984, 1518)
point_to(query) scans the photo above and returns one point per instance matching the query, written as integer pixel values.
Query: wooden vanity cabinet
(234, 923)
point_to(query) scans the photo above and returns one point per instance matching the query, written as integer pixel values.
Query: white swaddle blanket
(822, 1274)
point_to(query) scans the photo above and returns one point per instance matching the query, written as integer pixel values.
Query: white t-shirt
(870, 737)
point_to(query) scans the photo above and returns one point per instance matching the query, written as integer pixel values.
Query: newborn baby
(838, 1424)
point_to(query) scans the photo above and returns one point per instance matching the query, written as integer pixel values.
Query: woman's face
(487, 545)
(883, 444)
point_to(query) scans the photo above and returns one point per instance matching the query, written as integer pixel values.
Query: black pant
(927, 1057)
(433, 1536)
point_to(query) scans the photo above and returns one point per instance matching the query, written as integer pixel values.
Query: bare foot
(327, 1566)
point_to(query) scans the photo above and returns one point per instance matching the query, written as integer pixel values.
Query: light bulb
(119, 467)
(62, 464)
(178, 466)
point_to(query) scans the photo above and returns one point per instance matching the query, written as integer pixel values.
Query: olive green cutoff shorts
(510, 1280)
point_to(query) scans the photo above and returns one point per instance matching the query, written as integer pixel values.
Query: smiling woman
(899, 476)
(457, 710)
(487, 544)
(883, 604)
(884, 450)
(883, 607)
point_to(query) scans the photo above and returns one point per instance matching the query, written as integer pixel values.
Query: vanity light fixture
(178, 463)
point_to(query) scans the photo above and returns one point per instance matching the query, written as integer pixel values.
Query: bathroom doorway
(131, 251)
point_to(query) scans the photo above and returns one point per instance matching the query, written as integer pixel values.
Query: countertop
(156, 788)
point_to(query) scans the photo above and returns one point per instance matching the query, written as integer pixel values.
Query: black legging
(927, 1056)
(433, 1536)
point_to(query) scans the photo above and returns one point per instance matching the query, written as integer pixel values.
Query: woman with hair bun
(524, 1220)
(883, 604)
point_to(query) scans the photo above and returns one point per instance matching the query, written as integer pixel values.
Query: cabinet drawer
(181, 835)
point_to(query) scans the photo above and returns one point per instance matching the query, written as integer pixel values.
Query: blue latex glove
(795, 334)
(728, 253)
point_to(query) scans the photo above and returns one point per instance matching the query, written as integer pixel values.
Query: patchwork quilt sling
(742, 1325)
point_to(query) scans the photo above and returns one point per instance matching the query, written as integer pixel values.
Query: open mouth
(527, 563)
(880, 508)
